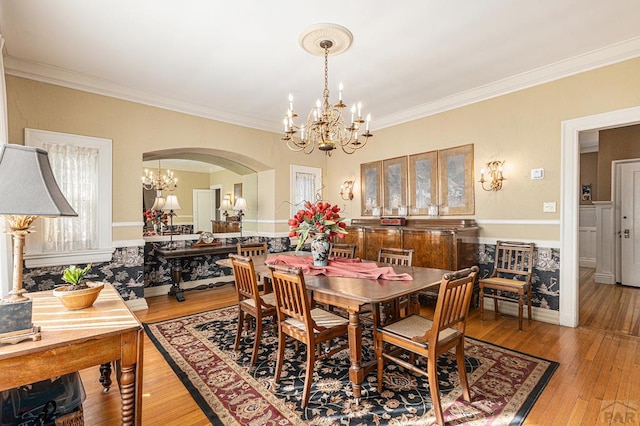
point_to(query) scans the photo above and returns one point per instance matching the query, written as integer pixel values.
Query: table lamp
(226, 205)
(241, 204)
(28, 190)
(171, 204)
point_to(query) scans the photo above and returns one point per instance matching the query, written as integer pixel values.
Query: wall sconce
(346, 190)
(494, 176)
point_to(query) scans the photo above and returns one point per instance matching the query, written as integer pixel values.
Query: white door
(630, 223)
(203, 209)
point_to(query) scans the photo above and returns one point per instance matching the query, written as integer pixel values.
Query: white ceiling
(237, 61)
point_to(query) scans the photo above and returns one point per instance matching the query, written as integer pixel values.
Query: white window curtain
(76, 171)
(305, 188)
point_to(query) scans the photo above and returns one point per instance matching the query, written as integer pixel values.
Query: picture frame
(237, 192)
(423, 182)
(394, 185)
(455, 177)
(370, 187)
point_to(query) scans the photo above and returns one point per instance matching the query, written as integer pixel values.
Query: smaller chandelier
(159, 182)
(326, 127)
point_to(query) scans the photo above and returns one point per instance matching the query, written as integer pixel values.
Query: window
(82, 167)
(306, 185)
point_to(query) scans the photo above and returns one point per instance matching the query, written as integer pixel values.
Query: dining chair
(399, 257)
(512, 270)
(431, 338)
(250, 301)
(299, 321)
(343, 250)
(252, 249)
(395, 256)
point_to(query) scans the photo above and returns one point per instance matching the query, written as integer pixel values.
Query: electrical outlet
(549, 207)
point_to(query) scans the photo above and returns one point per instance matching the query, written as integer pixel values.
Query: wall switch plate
(537, 173)
(549, 207)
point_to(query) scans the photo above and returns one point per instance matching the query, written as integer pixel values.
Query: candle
(290, 101)
(368, 121)
(340, 87)
(359, 110)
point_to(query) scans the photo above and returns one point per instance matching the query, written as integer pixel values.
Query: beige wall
(522, 128)
(589, 174)
(136, 129)
(615, 144)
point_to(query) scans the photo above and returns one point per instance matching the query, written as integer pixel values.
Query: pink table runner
(340, 267)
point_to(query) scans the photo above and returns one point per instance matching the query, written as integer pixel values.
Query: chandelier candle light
(159, 182)
(326, 127)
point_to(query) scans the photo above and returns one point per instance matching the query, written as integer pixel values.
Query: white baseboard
(587, 262)
(538, 314)
(137, 304)
(161, 290)
(605, 278)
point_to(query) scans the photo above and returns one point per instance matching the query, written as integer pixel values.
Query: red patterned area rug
(504, 383)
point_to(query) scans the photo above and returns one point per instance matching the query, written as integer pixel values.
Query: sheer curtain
(76, 171)
(305, 188)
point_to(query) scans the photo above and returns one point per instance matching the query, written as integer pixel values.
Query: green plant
(74, 275)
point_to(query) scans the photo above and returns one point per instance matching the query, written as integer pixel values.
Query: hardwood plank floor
(599, 361)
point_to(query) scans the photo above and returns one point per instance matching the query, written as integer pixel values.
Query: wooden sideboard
(225, 226)
(450, 244)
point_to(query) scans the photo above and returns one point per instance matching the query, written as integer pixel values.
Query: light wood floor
(599, 361)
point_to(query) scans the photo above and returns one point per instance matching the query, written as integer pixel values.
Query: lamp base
(15, 322)
(14, 337)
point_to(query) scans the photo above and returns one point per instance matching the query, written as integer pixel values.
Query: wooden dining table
(352, 294)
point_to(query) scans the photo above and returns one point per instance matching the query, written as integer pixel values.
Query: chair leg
(462, 371)
(311, 362)
(520, 310)
(481, 295)
(495, 304)
(378, 345)
(434, 388)
(256, 341)
(529, 302)
(282, 342)
(240, 327)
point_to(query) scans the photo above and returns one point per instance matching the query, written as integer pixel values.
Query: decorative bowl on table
(73, 298)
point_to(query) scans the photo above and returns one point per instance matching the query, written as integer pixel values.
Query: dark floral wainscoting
(125, 272)
(545, 292)
(157, 270)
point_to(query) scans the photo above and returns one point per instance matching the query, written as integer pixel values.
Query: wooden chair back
(395, 256)
(513, 259)
(245, 276)
(252, 249)
(454, 298)
(292, 300)
(343, 250)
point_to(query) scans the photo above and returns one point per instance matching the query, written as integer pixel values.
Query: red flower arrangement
(320, 218)
(155, 217)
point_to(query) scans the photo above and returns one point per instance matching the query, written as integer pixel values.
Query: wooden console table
(175, 257)
(74, 340)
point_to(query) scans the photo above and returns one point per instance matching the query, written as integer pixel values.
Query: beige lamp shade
(241, 204)
(27, 184)
(172, 203)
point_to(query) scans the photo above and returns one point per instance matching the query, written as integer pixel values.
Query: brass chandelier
(326, 126)
(159, 182)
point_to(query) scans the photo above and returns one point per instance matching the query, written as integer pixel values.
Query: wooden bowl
(78, 299)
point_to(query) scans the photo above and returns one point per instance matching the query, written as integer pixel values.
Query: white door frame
(570, 185)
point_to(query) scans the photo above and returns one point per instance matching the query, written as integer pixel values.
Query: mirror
(206, 194)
